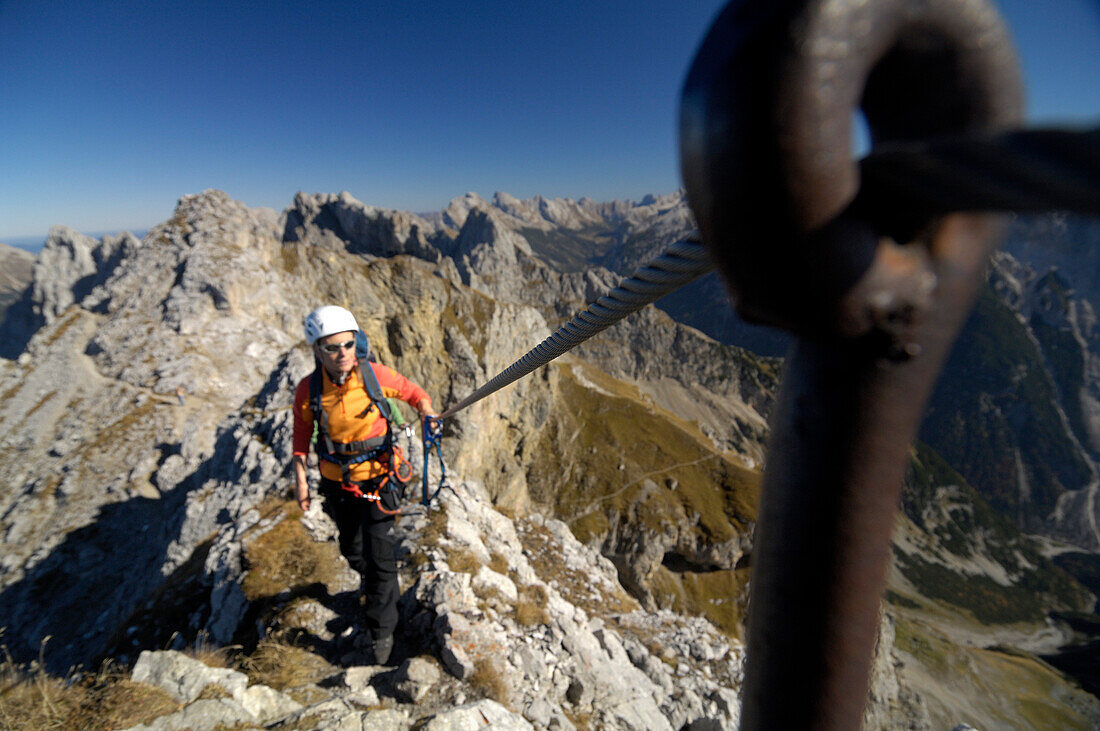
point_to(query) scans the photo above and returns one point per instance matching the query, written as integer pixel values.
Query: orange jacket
(349, 417)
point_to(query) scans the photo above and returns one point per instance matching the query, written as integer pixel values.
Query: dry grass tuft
(282, 666)
(498, 563)
(531, 606)
(210, 654)
(125, 703)
(436, 528)
(492, 600)
(32, 699)
(286, 557)
(463, 561)
(487, 682)
(582, 720)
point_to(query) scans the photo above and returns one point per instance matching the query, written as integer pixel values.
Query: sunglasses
(337, 347)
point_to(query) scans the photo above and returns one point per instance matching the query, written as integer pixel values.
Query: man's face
(337, 351)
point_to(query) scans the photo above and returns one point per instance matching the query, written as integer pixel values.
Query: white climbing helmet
(328, 320)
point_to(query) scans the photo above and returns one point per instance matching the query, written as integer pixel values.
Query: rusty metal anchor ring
(766, 157)
(766, 145)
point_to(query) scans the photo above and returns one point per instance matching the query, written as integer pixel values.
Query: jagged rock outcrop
(70, 265)
(16, 266)
(574, 236)
(585, 652)
(341, 222)
(118, 419)
(67, 268)
(554, 639)
(492, 257)
(489, 256)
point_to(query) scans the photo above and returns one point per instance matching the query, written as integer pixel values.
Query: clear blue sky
(109, 112)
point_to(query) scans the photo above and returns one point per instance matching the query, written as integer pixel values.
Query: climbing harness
(345, 455)
(356, 490)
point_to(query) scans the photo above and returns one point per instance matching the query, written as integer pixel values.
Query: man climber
(356, 458)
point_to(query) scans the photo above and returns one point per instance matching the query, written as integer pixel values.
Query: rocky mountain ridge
(1032, 340)
(146, 434)
(15, 272)
(1023, 384)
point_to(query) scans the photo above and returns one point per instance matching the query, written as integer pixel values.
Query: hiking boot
(383, 646)
(361, 641)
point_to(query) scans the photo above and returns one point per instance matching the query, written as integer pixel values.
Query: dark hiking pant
(367, 542)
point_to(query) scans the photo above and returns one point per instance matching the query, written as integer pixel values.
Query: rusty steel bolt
(767, 158)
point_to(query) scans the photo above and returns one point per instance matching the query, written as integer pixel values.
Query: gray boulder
(482, 714)
(186, 679)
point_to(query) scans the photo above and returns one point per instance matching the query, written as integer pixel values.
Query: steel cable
(680, 264)
(1028, 170)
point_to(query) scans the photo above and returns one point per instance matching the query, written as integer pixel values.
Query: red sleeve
(396, 385)
(303, 419)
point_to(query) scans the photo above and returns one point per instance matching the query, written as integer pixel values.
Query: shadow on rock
(70, 604)
(18, 325)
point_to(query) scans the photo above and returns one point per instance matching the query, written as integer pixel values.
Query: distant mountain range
(1017, 411)
(34, 244)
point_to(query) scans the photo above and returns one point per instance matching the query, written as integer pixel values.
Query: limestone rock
(488, 581)
(16, 267)
(571, 659)
(185, 679)
(385, 719)
(478, 715)
(359, 682)
(414, 678)
(203, 715)
(266, 704)
(455, 659)
(335, 713)
(70, 265)
(341, 222)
